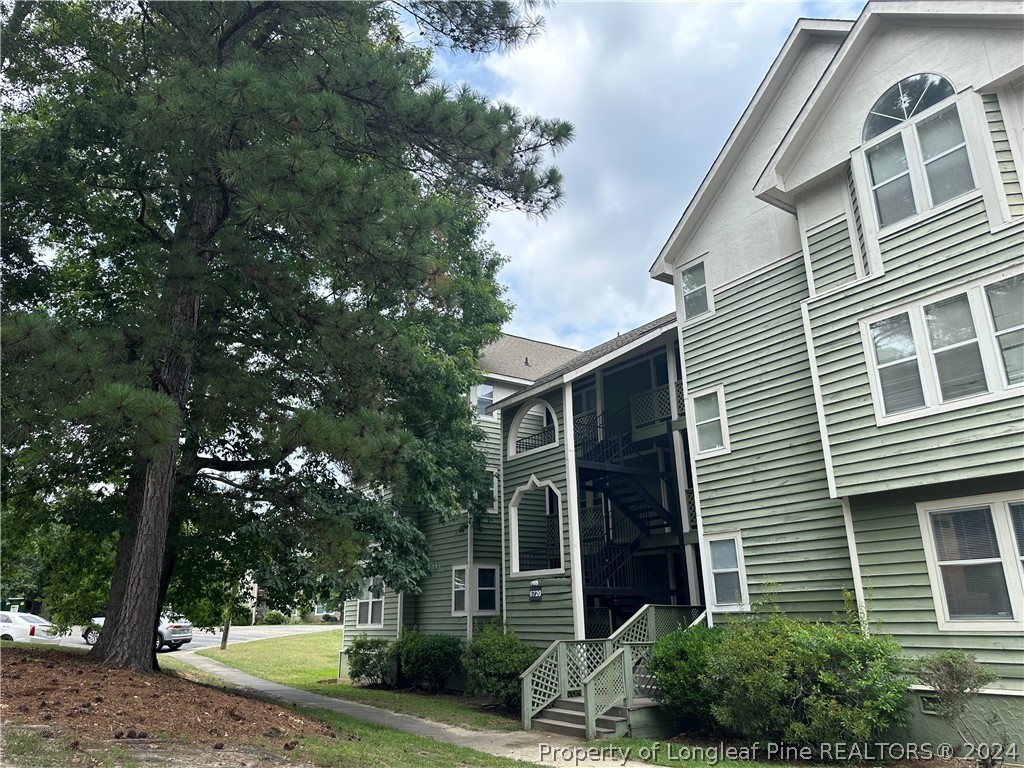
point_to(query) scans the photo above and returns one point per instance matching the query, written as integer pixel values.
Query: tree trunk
(227, 617)
(136, 590)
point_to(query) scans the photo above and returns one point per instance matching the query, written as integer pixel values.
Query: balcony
(654, 407)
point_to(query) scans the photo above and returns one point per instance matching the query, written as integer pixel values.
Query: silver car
(173, 632)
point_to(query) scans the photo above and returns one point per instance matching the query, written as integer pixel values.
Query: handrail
(607, 685)
(547, 695)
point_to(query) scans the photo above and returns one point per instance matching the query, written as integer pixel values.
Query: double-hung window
(709, 421)
(693, 291)
(954, 349)
(974, 549)
(474, 589)
(484, 398)
(370, 606)
(728, 575)
(915, 150)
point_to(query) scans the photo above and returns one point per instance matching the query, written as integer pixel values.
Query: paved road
(205, 639)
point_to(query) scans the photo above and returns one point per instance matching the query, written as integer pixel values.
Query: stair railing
(607, 686)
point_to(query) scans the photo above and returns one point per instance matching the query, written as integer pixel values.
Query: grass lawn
(302, 661)
(695, 754)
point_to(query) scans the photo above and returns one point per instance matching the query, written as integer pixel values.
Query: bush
(328, 618)
(274, 617)
(369, 661)
(778, 679)
(678, 662)
(494, 661)
(428, 660)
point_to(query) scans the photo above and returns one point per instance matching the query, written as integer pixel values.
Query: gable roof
(769, 186)
(523, 359)
(594, 357)
(804, 32)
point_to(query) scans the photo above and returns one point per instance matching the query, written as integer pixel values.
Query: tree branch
(253, 12)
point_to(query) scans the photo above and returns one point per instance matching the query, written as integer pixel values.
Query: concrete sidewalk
(535, 747)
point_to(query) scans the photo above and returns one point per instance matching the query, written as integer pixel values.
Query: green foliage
(678, 662)
(274, 617)
(428, 660)
(956, 678)
(329, 618)
(295, 174)
(495, 659)
(774, 678)
(369, 660)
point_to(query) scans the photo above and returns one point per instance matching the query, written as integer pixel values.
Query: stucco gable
(816, 39)
(890, 41)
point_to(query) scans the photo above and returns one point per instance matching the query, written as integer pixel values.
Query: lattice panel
(644, 683)
(544, 684)
(636, 632)
(691, 509)
(581, 658)
(592, 524)
(609, 688)
(651, 407)
(668, 618)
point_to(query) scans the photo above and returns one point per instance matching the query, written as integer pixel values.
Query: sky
(653, 90)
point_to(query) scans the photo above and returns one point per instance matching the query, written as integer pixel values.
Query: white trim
(1012, 122)
(736, 537)
(507, 379)
(858, 579)
(998, 505)
(995, 378)
(602, 361)
(533, 484)
(471, 588)
(501, 518)
(983, 691)
(975, 124)
(819, 402)
(465, 590)
(517, 422)
(861, 263)
(723, 418)
(575, 557)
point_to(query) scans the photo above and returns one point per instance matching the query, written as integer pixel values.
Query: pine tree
(243, 259)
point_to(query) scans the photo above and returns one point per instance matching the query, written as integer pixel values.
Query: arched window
(908, 97)
(916, 149)
(534, 427)
(535, 523)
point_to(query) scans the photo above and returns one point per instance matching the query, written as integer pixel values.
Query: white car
(26, 628)
(174, 632)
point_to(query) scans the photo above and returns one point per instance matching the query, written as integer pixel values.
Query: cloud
(654, 90)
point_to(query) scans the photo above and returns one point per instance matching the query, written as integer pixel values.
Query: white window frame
(471, 587)
(691, 423)
(920, 188)
(998, 504)
(731, 607)
(992, 363)
(517, 422)
(495, 505)
(369, 624)
(513, 517)
(476, 402)
(681, 296)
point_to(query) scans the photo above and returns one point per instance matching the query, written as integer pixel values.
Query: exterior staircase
(596, 688)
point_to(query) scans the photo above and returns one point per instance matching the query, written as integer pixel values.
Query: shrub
(779, 679)
(369, 661)
(428, 660)
(328, 618)
(494, 661)
(956, 677)
(274, 617)
(678, 663)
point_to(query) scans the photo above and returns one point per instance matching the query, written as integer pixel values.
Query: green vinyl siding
(538, 623)
(976, 440)
(1004, 155)
(431, 609)
(831, 256)
(895, 575)
(487, 535)
(772, 485)
(855, 204)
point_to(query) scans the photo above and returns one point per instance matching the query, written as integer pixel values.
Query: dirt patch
(82, 699)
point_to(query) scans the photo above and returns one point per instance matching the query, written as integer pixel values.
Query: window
(957, 348)
(709, 421)
(484, 398)
(728, 576)
(370, 607)
(474, 589)
(974, 550)
(459, 590)
(925, 163)
(694, 291)
(495, 500)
